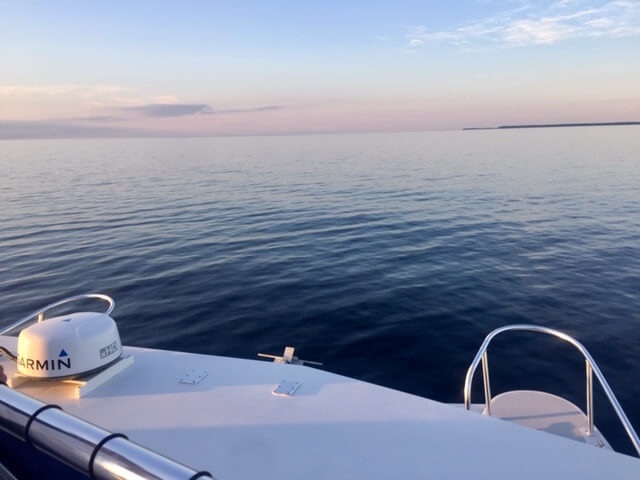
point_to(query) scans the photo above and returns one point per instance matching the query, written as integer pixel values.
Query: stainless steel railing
(40, 312)
(81, 445)
(591, 369)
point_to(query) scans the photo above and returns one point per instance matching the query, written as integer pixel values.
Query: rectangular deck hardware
(286, 388)
(193, 376)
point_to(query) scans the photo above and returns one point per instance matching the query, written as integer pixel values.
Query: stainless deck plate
(194, 376)
(286, 388)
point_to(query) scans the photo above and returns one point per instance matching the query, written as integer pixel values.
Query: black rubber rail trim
(100, 444)
(33, 417)
(202, 474)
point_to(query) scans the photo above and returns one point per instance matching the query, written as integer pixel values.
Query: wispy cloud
(93, 105)
(88, 96)
(249, 110)
(74, 110)
(159, 110)
(531, 24)
(126, 124)
(182, 109)
(170, 109)
(62, 89)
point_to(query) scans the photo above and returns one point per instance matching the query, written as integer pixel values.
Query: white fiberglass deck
(333, 427)
(546, 412)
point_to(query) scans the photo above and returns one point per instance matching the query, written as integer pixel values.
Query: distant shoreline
(555, 125)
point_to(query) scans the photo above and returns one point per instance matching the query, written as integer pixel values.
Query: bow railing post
(589, 398)
(485, 379)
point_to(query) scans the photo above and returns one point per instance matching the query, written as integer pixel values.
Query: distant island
(554, 125)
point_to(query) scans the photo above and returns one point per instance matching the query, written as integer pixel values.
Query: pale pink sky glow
(406, 68)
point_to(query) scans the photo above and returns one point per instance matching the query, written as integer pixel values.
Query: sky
(131, 68)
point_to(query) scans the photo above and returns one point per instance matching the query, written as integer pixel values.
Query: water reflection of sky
(388, 257)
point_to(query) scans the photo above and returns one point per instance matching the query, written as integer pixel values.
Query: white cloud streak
(88, 95)
(532, 25)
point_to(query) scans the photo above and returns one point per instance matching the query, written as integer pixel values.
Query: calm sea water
(387, 257)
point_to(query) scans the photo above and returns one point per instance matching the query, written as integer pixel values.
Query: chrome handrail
(96, 452)
(41, 311)
(591, 369)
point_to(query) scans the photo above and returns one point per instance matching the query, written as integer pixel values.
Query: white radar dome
(68, 345)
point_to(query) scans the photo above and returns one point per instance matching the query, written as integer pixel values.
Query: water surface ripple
(387, 257)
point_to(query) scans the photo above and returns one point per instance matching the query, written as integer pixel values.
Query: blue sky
(209, 68)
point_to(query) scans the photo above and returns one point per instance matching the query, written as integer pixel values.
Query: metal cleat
(288, 357)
